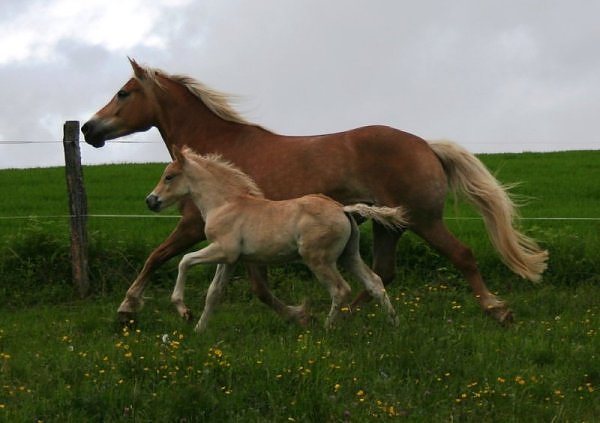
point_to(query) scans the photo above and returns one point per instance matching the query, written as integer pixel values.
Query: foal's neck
(208, 193)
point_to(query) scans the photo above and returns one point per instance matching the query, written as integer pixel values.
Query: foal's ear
(177, 154)
(138, 71)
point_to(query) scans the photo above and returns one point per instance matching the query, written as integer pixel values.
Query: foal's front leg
(189, 231)
(222, 276)
(211, 254)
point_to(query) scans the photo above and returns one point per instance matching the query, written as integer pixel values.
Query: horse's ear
(138, 71)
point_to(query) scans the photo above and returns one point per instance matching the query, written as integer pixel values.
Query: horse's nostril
(153, 202)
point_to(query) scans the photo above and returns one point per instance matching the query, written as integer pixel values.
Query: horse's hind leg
(258, 277)
(440, 238)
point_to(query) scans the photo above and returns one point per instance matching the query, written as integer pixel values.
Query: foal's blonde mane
(216, 101)
(226, 172)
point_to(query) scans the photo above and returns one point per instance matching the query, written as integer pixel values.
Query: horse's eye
(169, 178)
(122, 94)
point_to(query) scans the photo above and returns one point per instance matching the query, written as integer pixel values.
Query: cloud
(491, 77)
(35, 32)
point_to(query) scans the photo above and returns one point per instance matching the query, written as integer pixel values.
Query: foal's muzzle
(153, 203)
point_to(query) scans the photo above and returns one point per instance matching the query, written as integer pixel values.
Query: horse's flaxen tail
(390, 217)
(467, 174)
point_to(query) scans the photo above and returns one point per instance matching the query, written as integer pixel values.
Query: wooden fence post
(77, 207)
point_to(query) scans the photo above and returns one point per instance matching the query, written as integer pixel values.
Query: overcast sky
(520, 75)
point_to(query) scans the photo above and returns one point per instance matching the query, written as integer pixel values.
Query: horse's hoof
(362, 298)
(502, 314)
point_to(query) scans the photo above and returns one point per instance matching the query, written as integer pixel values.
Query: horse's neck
(185, 120)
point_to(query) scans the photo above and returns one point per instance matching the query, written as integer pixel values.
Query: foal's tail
(467, 174)
(390, 217)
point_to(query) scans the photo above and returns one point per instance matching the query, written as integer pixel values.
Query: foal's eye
(169, 178)
(122, 94)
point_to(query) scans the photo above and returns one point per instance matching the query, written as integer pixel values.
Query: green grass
(65, 359)
(446, 361)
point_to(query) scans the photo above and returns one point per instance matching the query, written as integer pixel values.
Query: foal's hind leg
(384, 257)
(353, 262)
(438, 235)
(338, 288)
(373, 284)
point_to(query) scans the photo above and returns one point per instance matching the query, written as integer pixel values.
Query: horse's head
(130, 110)
(172, 185)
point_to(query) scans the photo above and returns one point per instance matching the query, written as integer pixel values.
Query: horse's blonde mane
(216, 101)
(227, 171)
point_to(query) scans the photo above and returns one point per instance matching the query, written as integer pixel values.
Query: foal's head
(173, 185)
(209, 177)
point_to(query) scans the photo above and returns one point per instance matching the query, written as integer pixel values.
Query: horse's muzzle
(153, 203)
(92, 134)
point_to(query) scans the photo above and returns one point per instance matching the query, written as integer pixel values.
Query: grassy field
(65, 359)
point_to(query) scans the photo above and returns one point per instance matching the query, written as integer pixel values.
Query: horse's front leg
(189, 231)
(260, 287)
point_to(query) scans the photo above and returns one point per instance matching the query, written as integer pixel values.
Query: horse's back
(372, 164)
(399, 168)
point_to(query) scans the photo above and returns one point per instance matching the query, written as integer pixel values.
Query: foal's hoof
(305, 320)
(126, 318)
(187, 315)
(394, 321)
(502, 314)
(299, 314)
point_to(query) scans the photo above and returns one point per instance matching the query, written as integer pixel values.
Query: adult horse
(374, 165)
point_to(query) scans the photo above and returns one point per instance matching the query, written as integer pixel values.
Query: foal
(243, 225)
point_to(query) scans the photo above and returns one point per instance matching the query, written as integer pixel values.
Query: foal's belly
(278, 258)
(272, 249)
